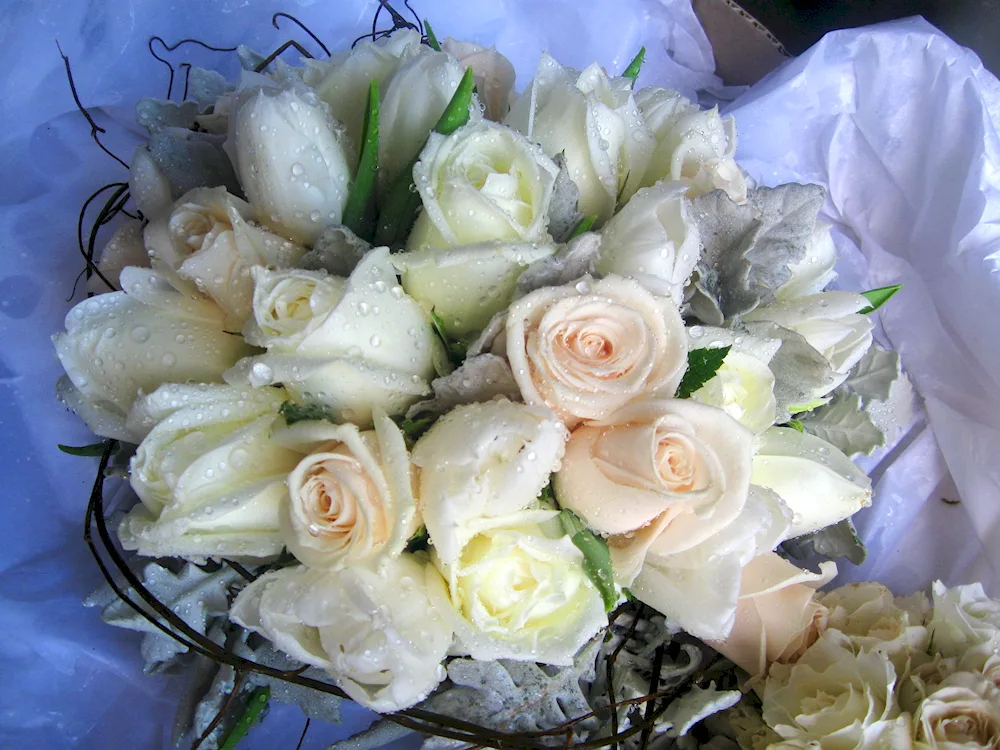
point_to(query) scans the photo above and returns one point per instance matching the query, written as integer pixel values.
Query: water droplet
(140, 334)
(168, 359)
(375, 341)
(297, 169)
(262, 372)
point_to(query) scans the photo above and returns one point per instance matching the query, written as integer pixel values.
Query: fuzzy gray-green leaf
(873, 375)
(844, 424)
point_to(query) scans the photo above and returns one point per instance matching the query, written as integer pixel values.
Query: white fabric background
(898, 122)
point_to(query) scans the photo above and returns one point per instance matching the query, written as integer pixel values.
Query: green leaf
(796, 425)
(585, 224)
(412, 429)
(95, 449)
(632, 71)
(418, 541)
(359, 212)
(251, 715)
(596, 558)
(456, 114)
(879, 297)
(293, 413)
(432, 40)
(456, 349)
(702, 366)
(403, 201)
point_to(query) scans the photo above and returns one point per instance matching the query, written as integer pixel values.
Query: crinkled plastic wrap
(896, 120)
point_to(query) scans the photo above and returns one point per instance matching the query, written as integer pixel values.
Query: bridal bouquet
(426, 378)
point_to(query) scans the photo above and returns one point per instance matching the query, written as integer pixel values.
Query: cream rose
(517, 592)
(287, 151)
(119, 344)
(964, 712)
(829, 321)
(693, 145)
(352, 345)
(594, 122)
(210, 476)
(778, 616)
(869, 615)
(206, 238)
(743, 386)
(483, 182)
(820, 484)
(668, 483)
(964, 617)
(343, 80)
(480, 465)
(587, 349)
(833, 697)
(653, 239)
(375, 631)
(467, 286)
(493, 72)
(350, 500)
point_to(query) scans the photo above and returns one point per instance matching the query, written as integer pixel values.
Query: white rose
(467, 286)
(483, 182)
(814, 272)
(777, 617)
(693, 145)
(964, 617)
(820, 484)
(375, 631)
(587, 349)
(210, 476)
(479, 465)
(206, 239)
(868, 614)
(121, 343)
(493, 72)
(668, 483)
(517, 593)
(349, 344)
(594, 122)
(829, 321)
(653, 239)
(984, 659)
(743, 386)
(964, 712)
(291, 164)
(351, 499)
(343, 80)
(833, 697)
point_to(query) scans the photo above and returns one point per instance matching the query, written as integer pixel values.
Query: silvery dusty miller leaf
(189, 160)
(694, 706)
(833, 542)
(205, 86)
(844, 424)
(194, 595)
(747, 248)
(337, 251)
(799, 370)
(873, 375)
(564, 213)
(570, 263)
(478, 379)
(156, 115)
(516, 695)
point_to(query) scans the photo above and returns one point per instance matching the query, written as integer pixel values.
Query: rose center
(676, 463)
(192, 227)
(334, 496)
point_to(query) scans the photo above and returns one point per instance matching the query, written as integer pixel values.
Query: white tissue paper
(896, 120)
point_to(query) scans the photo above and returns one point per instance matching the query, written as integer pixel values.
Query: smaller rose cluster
(414, 428)
(870, 670)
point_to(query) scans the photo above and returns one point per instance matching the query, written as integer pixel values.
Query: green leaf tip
(432, 40)
(632, 71)
(456, 349)
(359, 212)
(596, 558)
(879, 297)
(252, 714)
(293, 413)
(94, 449)
(456, 114)
(584, 225)
(702, 366)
